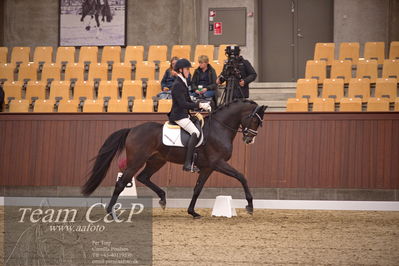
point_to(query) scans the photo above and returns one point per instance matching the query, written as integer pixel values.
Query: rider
(181, 104)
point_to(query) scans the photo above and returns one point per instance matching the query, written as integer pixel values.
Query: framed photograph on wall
(92, 22)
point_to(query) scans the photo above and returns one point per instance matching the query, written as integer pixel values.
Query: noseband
(246, 131)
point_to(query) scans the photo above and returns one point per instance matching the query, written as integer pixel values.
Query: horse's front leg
(203, 176)
(224, 168)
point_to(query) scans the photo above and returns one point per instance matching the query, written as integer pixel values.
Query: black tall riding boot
(189, 164)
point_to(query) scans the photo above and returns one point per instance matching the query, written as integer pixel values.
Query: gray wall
(366, 20)
(35, 23)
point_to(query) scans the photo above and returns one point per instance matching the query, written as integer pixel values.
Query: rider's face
(186, 72)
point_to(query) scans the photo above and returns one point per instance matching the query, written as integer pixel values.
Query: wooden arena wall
(292, 150)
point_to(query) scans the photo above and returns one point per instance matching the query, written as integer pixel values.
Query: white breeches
(188, 126)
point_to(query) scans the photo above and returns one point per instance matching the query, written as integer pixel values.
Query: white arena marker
(128, 191)
(223, 206)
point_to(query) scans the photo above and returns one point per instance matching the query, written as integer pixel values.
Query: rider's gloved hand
(205, 106)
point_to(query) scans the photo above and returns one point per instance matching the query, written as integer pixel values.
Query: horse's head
(251, 123)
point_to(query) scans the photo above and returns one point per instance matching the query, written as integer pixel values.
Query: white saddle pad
(171, 137)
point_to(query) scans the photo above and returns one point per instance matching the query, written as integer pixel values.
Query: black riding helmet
(182, 63)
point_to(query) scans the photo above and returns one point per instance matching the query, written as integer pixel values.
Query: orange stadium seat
(12, 90)
(341, 69)
(98, 72)
(157, 53)
(108, 89)
(19, 106)
(394, 51)
(121, 71)
(218, 67)
(297, 105)
(350, 105)
(93, 106)
(164, 105)
(132, 88)
(143, 105)
(74, 71)
(306, 88)
(3, 55)
(349, 51)
(111, 54)
(367, 69)
(316, 70)
(68, 106)
(43, 54)
(51, 72)
(325, 52)
(65, 55)
(60, 89)
(396, 105)
(20, 55)
(118, 105)
(145, 70)
(134, 54)
(153, 88)
(359, 88)
(88, 54)
(390, 69)
(35, 89)
(221, 53)
(181, 51)
(207, 50)
(376, 104)
(27, 71)
(44, 106)
(333, 88)
(7, 72)
(386, 88)
(83, 89)
(163, 66)
(323, 105)
(375, 50)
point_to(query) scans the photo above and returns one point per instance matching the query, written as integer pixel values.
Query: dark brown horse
(96, 8)
(144, 147)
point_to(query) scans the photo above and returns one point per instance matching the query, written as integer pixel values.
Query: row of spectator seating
(358, 88)
(374, 104)
(81, 90)
(97, 71)
(329, 84)
(351, 51)
(317, 69)
(110, 54)
(92, 106)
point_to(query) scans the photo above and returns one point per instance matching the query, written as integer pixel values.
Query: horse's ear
(263, 108)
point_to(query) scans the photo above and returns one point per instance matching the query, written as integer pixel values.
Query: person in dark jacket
(247, 72)
(203, 83)
(181, 105)
(168, 79)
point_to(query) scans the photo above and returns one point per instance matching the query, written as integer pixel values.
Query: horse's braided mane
(235, 101)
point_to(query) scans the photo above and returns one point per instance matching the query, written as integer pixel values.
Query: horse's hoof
(194, 214)
(162, 203)
(88, 28)
(250, 210)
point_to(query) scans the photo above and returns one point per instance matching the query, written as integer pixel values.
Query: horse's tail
(113, 145)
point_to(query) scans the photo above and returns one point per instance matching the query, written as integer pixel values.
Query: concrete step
(272, 90)
(261, 85)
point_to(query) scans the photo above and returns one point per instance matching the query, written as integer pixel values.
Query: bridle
(245, 131)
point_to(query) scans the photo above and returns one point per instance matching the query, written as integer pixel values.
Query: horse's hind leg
(122, 182)
(153, 164)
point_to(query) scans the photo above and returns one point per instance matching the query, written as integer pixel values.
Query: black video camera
(231, 66)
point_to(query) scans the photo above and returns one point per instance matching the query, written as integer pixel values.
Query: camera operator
(238, 73)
